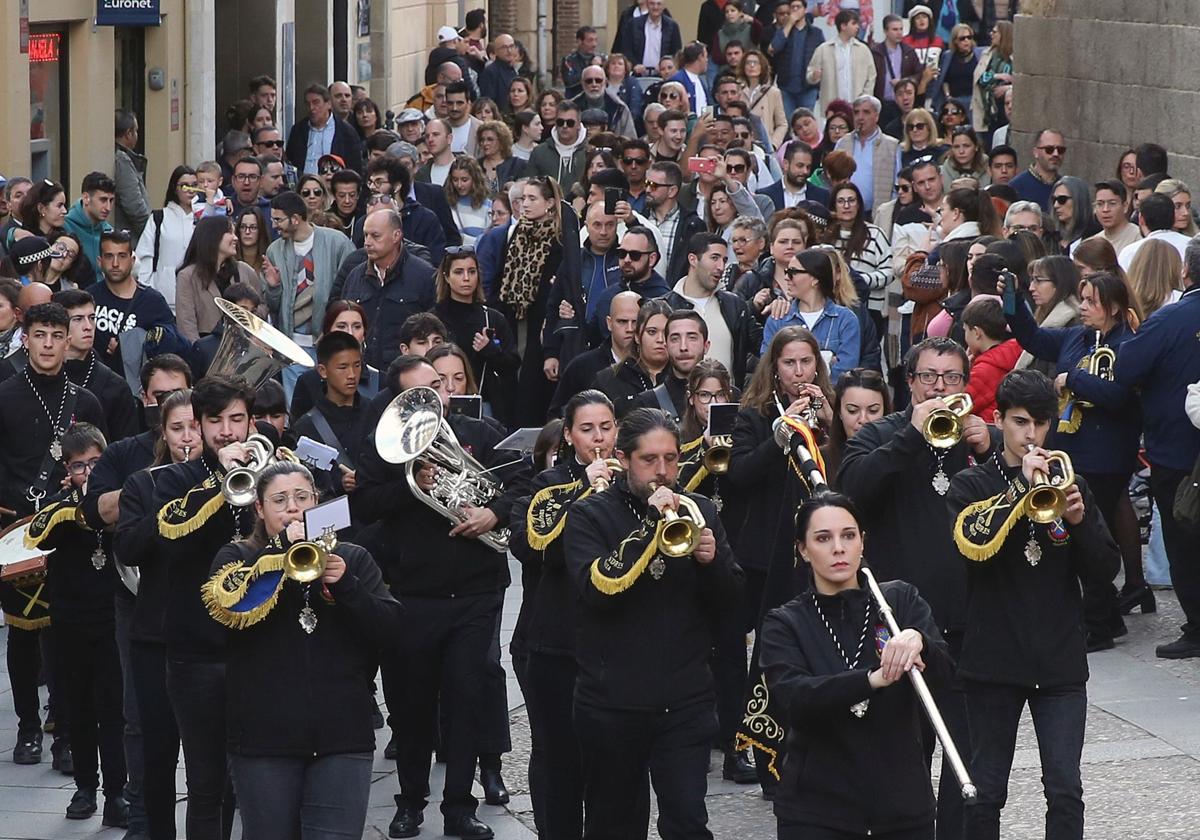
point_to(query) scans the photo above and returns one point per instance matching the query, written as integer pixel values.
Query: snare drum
(20, 565)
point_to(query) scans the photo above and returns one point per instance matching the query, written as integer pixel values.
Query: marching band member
(194, 522)
(790, 379)
(135, 543)
(1024, 639)
(583, 469)
(452, 585)
(37, 406)
(836, 669)
(644, 696)
(1100, 423)
(898, 478)
(80, 584)
(301, 769)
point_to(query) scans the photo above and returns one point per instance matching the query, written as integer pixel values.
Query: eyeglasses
(280, 500)
(275, 144)
(1037, 278)
(379, 198)
(848, 201)
(566, 123)
(743, 240)
(81, 467)
(245, 177)
(1053, 150)
(635, 161)
(312, 193)
(627, 254)
(1018, 228)
(248, 228)
(929, 377)
(1061, 199)
(705, 397)
(735, 168)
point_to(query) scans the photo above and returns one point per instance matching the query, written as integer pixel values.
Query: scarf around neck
(525, 263)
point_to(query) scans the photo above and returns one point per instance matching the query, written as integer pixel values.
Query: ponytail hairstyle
(591, 396)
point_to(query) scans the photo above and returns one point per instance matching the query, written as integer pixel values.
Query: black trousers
(24, 660)
(160, 737)
(197, 692)
(953, 707)
(492, 721)
(123, 613)
(537, 752)
(1100, 612)
(550, 702)
(89, 669)
(619, 747)
(447, 647)
(806, 831)
(729, 661)
(1181, 544)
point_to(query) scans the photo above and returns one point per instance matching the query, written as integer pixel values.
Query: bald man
(580, 372)
(495, 79)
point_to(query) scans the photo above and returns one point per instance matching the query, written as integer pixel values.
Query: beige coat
(196, 312)
(766, 103)
(824, 64)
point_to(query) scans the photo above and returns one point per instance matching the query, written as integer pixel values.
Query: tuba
(305, 561)
(240, 483)
(413, 429)
(1047, 498)
(252, 349)
(944, 426)
(679, 533)
(716, 456)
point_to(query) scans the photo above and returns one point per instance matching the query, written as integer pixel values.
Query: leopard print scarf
(524, 264)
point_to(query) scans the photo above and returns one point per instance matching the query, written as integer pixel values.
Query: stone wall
(1110, 74)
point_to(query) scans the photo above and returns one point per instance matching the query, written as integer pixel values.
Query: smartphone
(701, 164)
(1010, 292)
(721, 417)
(467, 405)
(706, 111)
(611, 196)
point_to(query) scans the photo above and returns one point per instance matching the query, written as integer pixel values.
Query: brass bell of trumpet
(1047, 498)
(601, 484)
(1103, 364)
(240, 484)
(305, 561)
(944, 426)
(716, 457)
(681, 527)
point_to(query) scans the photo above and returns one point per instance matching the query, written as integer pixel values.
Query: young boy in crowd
(993, 353)
(337, 417)
(212, 202)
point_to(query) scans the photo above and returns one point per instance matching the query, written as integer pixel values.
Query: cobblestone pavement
(1141, 761)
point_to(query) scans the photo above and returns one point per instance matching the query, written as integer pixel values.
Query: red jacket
(987, 369)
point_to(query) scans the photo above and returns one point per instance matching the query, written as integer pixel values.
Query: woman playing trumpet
(301, 765)
(583, 468)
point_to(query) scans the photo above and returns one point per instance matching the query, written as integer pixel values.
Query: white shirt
(791, 199)
(698, 86)
(1176, 240)
(845, 75)
(720, 339)
(438, 173)
(459, 137)
(652, 52)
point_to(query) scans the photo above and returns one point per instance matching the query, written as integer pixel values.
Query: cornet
(614, 466)
(1047, 498)
(679, 533)
(1103, 363)
(240, 484)
(716, 457)
(305, 561)
(944, 426)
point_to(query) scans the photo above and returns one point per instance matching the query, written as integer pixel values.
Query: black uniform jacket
(1024, 620)
(292, 693)
(643, 642)
(831, 773)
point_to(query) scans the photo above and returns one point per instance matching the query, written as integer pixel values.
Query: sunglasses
(915, 126)
(791, 273)
(1061, 199)
(566, 123)
(635, 161)
(330, 169)
(965, 38)
(903, 188)
(669, 94)
(312, 193)
(736, 168)
(1053, 150)
(626, 254)
(455, 250)
(275, 144)
(653, 185)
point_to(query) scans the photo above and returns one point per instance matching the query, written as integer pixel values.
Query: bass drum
(20, 565)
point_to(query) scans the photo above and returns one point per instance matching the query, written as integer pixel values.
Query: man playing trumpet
(1031, 534)
(898, 469)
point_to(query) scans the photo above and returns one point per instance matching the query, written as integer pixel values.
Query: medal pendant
(941, 482)
(658, 567)
(1033, 552)
(56, 450)
(98, 558)
(859, 710)
(718, 503)
(308, 620)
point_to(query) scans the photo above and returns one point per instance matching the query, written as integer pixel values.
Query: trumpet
(1103, 363)
(965, 784)
(1047, 498)
(601, 483)
(679, 533)
(716, 456)
(944, 426)
(305, 561)
(240, 483)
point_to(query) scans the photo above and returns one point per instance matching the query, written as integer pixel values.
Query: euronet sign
(127, 12)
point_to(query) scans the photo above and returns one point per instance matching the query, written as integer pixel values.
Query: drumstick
(7, 512)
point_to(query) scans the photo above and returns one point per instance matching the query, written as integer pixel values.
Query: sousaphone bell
(252, 349)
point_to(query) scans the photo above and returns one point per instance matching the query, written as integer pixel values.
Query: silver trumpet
(413, 431)
(240, 483)
(969, 791)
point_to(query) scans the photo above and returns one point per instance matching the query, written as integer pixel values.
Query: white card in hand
(315, 454)
(333, 514)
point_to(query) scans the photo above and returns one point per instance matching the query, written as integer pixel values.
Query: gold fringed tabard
(50, 517)
(240, 596)
(547, 514)
(982, 527)
(614, 574)
(180, 517)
